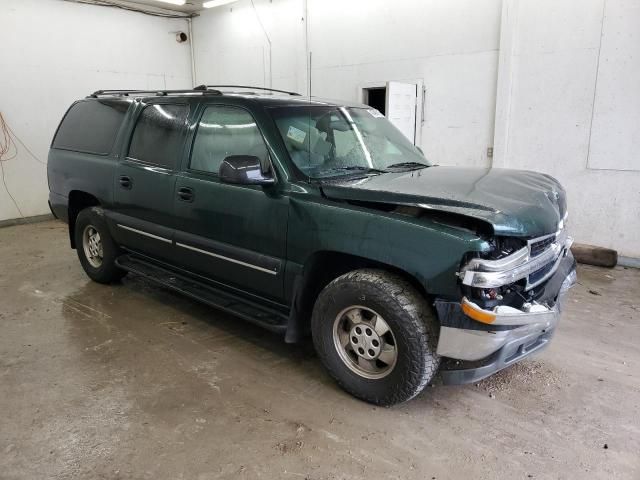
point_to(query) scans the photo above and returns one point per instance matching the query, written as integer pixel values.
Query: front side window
(158, 135)
(91, 126)
(224, 131)
(326, 141)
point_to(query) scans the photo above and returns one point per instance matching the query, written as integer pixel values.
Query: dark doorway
(376, 98)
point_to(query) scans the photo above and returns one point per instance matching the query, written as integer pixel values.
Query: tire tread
(420, 333)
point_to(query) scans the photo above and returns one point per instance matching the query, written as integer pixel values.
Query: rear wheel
(376, 335)
(96, 249)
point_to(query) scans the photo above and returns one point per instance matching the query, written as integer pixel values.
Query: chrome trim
(222, 257)
(471, 345)
(496, 273)
(560, 232)
(146, 234)
(507, 263)
(464, 344)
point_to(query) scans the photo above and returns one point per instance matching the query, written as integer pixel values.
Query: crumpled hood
(514, 202)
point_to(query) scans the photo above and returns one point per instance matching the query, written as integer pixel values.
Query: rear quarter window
(91, 126)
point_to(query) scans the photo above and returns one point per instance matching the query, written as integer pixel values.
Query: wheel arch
(78, 201)
(319, 270)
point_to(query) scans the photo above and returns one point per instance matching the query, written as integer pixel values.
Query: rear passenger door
(145, 179)
(235, 234)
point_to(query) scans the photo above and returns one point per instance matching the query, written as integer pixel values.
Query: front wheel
(376, 335)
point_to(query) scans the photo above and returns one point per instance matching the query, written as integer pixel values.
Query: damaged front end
(512, 299)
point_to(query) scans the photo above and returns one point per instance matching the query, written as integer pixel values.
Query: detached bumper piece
(485, 341)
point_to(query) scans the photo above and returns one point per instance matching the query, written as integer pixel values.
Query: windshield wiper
(359, 169)
(411, 165)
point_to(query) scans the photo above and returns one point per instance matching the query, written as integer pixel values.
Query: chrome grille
(538, 246)
(540, 273)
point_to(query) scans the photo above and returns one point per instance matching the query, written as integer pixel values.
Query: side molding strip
(146, 234)
(222, 257)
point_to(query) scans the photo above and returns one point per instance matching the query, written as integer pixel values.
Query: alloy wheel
(92, 245)
(365, 342)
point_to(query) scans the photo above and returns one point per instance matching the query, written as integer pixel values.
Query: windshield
(329, 141)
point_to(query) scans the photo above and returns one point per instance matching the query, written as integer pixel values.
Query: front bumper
(483, 349)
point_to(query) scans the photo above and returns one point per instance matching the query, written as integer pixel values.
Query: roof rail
(159, 93)
(208, 87)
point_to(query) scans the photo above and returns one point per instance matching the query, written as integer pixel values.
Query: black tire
(410, 319)
(107, 271)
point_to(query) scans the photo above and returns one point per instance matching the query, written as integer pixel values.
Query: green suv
(316, 217)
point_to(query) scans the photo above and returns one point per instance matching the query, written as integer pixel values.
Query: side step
(253, 312)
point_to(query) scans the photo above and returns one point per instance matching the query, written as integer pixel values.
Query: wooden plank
(592, 255)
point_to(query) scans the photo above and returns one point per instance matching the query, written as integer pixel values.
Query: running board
(253, 312)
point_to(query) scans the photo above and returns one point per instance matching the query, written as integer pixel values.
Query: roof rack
(203, 89)
(208, 87)
(160, 93)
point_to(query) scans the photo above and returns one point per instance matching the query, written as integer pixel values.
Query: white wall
(451, 45)
(232, 48)
(569, 105)
(54, 52)
(554, 83)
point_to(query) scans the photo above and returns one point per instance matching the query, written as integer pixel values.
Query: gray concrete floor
(131, 381)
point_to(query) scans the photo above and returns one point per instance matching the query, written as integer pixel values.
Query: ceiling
(190, 7)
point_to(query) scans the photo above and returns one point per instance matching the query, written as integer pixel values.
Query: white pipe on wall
(191, 50)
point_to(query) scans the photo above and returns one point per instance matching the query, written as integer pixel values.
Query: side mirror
(244, 170)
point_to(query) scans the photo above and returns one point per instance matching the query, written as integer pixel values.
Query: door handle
(185, 194)
(125, 182)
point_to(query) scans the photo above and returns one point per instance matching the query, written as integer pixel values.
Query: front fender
(428, 251)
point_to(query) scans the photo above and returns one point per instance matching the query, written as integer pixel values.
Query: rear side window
(91, 126)
(158, 135)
